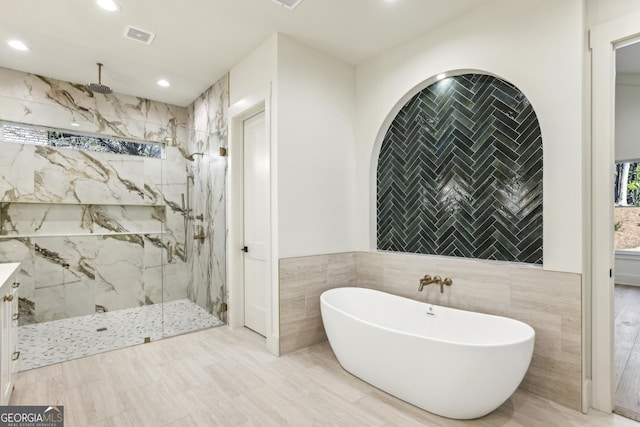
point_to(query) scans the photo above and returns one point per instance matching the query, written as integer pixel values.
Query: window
(626, 211)
(26, 134)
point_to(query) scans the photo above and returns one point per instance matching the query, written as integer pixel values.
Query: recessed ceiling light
(109, 5)
(163, 83)
(18, 45)
(75, 124)
(441, 76)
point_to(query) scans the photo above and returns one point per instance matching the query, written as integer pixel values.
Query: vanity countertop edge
(6, 270)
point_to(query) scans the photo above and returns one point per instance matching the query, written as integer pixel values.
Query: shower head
(192, 156)
(99, 87)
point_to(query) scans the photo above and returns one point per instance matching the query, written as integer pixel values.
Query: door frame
(604, 40)
(237, 114)
(251, 317)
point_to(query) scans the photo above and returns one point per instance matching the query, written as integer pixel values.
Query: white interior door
(256, 210)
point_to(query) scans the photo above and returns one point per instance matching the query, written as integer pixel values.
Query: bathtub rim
(529, 337)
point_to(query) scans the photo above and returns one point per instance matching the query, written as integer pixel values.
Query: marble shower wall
(38, 100)
(88, 229)
(208, 116)
(93, 228)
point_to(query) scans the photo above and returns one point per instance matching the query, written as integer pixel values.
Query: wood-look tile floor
(627, 351)
(224, 377)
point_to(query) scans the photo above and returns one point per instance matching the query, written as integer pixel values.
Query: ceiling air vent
(138, 35)
(289, 4)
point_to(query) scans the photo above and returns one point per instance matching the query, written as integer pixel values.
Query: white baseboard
(273, 344)
(627, 267)
(627, 279)
(586, 395)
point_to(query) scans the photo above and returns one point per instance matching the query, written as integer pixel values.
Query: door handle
(245, 249)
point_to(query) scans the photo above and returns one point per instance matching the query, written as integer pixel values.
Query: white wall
(599, 11)
(312, 116)
(627, 127)
(253, 85)
(254, 74)
(316, 107)
(536, 45)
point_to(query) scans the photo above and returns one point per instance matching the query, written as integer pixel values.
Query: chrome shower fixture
(99, 87)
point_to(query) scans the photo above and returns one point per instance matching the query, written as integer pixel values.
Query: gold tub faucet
(445, 282)
(427, 280)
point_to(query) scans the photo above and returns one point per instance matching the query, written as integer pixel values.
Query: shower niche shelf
(35, 219)
(36, 202)
(125, 233)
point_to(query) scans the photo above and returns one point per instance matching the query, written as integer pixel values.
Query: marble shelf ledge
(37, 202)
(124, 233)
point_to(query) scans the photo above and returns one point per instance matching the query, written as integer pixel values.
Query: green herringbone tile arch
(460, 173)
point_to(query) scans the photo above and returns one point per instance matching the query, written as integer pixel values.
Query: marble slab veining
(207, 259)
(16, 177)
(44, 101)
(94, 279)
(32, 219)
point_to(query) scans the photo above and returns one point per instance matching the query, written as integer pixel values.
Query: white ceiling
(198, 41)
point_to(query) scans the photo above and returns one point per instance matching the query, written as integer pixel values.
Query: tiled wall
(460, 173)
(144, 213)
(91, 226)
(208, 117)
(89, 229)
(548, 301)
(302, 280)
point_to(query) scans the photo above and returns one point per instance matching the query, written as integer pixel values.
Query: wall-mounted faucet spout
(427, 280)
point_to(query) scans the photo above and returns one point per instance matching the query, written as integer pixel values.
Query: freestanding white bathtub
(454, 363)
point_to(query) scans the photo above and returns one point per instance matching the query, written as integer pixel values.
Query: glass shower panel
(87, 227)
(195, 234)
(85, 293)
(116, 249)
(155, 250)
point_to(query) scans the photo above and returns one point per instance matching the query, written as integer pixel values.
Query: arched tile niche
(460, 173)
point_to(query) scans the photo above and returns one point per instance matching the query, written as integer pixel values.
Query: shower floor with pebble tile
(56, 341)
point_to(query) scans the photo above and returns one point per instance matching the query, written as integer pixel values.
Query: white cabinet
(9, 353)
